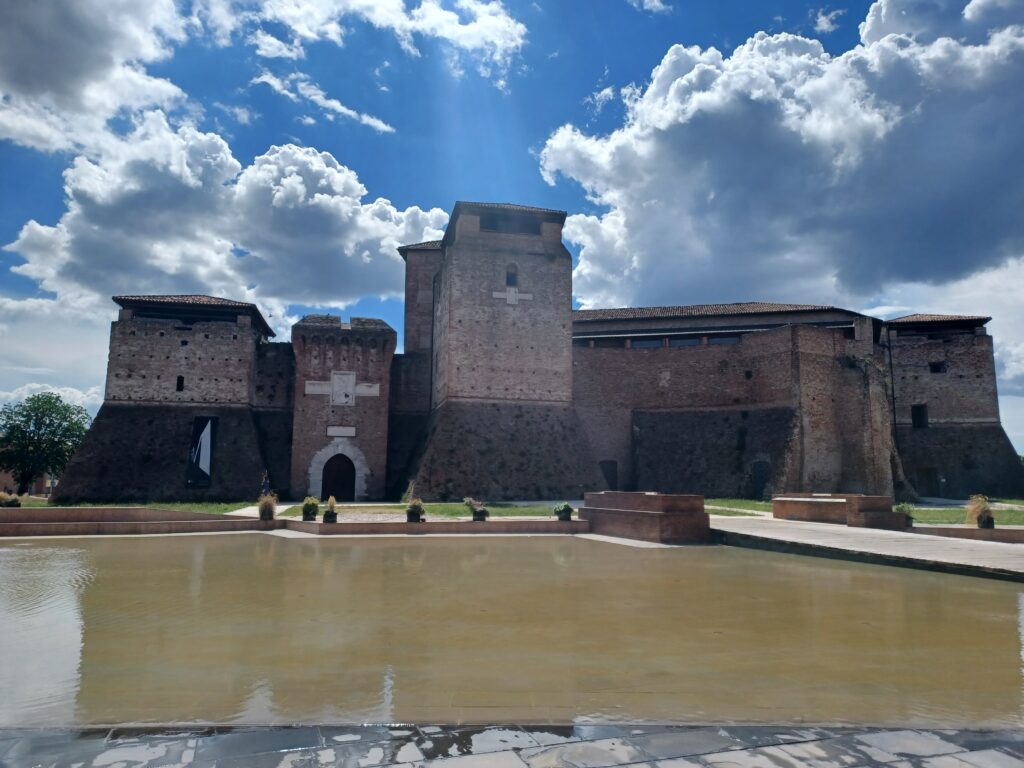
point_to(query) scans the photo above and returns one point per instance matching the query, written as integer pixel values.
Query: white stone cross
(511, 295)
(342, 388)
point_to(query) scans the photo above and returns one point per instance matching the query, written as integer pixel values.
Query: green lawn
(1014, 502)
(955, 515)
(442, 509)
(210, 507)
(747, 504)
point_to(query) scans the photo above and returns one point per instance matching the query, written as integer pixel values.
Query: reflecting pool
(254, 628)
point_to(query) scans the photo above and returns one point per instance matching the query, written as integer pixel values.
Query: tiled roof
(429, 245)
(511, 207)
(925, 318)
(197, 302)
(699, 310)
(192, 299)
(360, 323)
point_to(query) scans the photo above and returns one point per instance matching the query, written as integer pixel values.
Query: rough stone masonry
(503, 391)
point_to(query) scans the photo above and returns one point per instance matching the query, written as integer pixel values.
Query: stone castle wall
(515, 346)
(342, 379)
(214, 360)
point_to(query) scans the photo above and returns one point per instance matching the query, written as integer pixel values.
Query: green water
(254, 628)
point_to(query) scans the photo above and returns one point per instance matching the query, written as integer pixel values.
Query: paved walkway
(512, 746)
(983, 558)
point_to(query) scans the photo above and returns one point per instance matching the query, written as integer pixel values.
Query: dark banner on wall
(200, 452)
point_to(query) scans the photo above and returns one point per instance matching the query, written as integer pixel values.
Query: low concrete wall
(852, 509)
(124, 521)
(1004, 535)
(440, 526)
(661, 518)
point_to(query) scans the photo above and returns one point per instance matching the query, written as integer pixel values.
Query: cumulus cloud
(69, 66)
(482, 31)
(172, 211)
(825, 22)
(783, 172)
(90, 399)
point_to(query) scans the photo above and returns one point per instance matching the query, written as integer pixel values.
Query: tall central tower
(500, 358)
(502, 327)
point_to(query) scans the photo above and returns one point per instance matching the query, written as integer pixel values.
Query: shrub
(331, 515)
(904, 508)
(563, 511)
(310, 508)
(978, 510)
(414, 513)
(476, 508)
(268, 505)
(9, 500)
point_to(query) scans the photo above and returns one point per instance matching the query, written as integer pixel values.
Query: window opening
(179, 385)
(939, 367)
(919, 415)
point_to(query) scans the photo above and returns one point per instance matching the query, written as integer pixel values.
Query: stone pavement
(581, 746)
(964, 556)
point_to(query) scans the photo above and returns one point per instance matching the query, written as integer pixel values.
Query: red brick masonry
(662, 518)
(853, 509)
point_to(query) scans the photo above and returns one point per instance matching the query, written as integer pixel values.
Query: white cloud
(242, 115)
(269, 47)
(173, 211)
(654, 6)
(298, 85)
(825, 21)
(598, 99)
(68, 66)
(90, 399)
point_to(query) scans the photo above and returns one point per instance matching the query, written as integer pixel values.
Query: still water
(253, 628)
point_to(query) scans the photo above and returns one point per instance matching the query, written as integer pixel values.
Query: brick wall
(324, 423)
(497, 451)
(215, 361)
(488, 348)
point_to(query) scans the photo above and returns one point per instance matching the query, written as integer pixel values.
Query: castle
(503, 391)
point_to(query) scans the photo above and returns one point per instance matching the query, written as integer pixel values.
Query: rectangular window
(179, 385)
(939, 367)
(646, 343)
(685, 341)
(620, 343)
(720, 340)
(919, 415)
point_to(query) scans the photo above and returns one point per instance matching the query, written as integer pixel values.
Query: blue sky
(865, 154)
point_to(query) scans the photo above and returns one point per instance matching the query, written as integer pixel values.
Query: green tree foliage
(39, 435)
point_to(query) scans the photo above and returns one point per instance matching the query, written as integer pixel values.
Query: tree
(39, 435)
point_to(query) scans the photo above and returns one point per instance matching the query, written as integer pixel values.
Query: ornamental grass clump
(415, 513)
(979, 512)
(310, 508)
(267, 506)
(9, 500)
(477, 509)
(331, 513)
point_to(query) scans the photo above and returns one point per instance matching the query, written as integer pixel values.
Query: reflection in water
(261, 629)
(40, 631)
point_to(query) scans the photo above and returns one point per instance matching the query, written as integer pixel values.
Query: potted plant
(310, 507)
(979, 512)
(267, 506)
(414, 513)
(331, 513)
(563, 512)
(477, 508)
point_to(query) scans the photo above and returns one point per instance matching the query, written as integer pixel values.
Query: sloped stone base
(504, 451)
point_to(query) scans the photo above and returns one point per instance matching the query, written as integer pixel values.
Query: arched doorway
(339, 479)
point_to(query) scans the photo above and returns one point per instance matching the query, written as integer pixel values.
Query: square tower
(502, 308)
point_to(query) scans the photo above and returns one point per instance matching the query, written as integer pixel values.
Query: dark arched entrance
(339, 479)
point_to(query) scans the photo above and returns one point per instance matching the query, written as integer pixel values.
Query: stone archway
(339, 479)
(348, 449)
